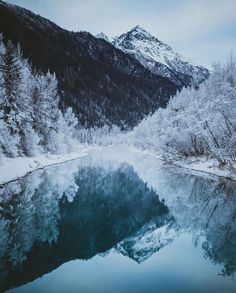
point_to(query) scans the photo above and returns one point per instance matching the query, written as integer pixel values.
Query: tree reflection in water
(79, 209)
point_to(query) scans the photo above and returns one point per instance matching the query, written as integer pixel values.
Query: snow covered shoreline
(199, 164)
(208, 166)
(14, 168)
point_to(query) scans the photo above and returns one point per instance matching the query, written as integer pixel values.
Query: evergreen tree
(29, 140)
(11, 75)
(47, 113)
(30, 118)
(9, 139)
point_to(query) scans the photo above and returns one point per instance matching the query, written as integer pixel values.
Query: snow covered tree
(29, 142)
(197, 121)
(11, 75)
(47, 113)
(8, 142)
(71, 124)
(9, 138)
(30, 119)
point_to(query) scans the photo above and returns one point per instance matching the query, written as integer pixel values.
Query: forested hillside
(102, 84)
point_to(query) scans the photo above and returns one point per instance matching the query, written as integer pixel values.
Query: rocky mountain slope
(158, 57)
(100, 82)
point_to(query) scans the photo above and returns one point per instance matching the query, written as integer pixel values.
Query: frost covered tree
(10, 78)
(29, 138)
(69, 128)
(16, 106)
(197, 121)
(47, 113)
(30, 119)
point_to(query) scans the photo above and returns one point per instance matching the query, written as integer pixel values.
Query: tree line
(30, 119)
(198, 121)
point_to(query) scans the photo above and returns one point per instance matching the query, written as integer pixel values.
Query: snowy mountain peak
(139, 29)
(137, 33)
(158, 57)
(104, 37)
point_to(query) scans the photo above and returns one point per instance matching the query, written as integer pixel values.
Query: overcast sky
(204, 31)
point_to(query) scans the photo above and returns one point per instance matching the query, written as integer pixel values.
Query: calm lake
(117, 221)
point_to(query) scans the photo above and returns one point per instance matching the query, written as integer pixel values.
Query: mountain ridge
(101, 83)
(158, 57)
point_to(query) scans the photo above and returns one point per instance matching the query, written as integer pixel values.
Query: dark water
(117, 222)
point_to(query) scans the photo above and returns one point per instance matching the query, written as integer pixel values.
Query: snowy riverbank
(14, 168)
(199, 164)
(210, 166)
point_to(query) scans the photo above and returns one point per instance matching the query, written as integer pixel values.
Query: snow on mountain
(105, 37)
(101, 83)
(149, 240)
(158, 57)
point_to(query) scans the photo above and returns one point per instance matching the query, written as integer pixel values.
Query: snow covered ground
(13, 168)
(199, 164)
(210, 166)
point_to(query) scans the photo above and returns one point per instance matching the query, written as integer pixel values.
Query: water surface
(117, 221)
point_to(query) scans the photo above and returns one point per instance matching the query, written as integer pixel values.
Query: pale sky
(203, 31)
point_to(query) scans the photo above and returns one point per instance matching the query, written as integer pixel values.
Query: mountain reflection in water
(131, 204)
